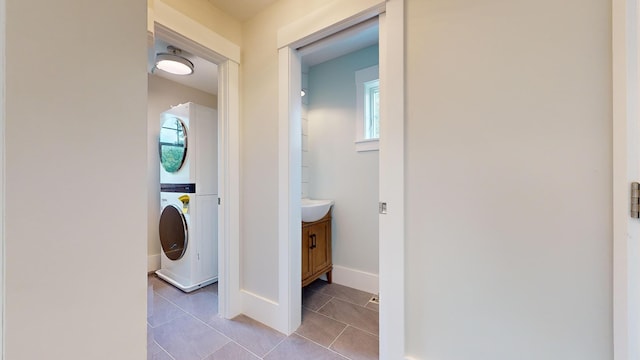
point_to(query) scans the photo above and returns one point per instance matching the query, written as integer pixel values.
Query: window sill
(367, 145)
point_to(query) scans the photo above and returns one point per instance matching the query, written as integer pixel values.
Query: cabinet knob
(313, 241)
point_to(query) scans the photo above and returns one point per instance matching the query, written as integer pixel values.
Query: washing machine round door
(173, 232)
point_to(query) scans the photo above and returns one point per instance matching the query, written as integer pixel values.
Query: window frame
(363, 77)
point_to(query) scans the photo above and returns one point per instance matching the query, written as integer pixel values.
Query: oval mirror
(173, 144)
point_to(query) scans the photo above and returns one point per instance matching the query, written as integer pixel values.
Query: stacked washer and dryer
(189, 196)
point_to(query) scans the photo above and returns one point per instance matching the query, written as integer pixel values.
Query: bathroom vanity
(316, 249)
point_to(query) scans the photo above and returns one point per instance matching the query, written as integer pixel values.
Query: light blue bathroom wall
(336, 170)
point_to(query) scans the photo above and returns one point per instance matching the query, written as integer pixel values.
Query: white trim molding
(3, 78)
(153, 263)
(261, 309)
(356, 279)
(229, 303)
(289, 190)
(626, 156)
(391, 167)
(328, 20)
(199, 34)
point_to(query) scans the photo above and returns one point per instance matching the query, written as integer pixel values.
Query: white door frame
(3, 32)
(626, 156)
(315, 26)
(194, 38)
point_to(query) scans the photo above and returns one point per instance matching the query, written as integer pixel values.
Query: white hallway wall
(163, 94)
(509, 230)
(337, 171)
(76, 182)
(259, 151)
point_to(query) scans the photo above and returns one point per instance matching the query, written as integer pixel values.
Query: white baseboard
(356, 279)
(262, 309)
(153, 263)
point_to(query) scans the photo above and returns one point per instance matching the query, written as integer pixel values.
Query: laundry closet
(188, 196)
(182, 171)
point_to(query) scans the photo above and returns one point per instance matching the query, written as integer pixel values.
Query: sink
(314, 210)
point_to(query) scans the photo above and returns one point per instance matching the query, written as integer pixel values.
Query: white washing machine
(188, 231)
(188, 228)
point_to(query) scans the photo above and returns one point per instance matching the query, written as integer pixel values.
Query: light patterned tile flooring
(338, 322)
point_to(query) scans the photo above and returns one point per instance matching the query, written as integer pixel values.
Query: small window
(368, 109)
(372, 109)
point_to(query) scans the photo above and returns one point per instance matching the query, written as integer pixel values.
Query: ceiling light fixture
(173, 63)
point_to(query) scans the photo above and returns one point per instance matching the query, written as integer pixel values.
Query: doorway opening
(223, 55)
(339, 245)
(182, 168)
(339, 158)
(391, 162)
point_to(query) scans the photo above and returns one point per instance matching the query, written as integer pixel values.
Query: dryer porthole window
(173, 144)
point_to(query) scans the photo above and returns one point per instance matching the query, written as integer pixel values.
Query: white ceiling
(242, 10)
(205, 73)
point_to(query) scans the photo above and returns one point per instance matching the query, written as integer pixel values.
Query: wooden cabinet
(316, 250)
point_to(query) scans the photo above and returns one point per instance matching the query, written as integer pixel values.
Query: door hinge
(219, 201)
(635, 200)
(382, 207)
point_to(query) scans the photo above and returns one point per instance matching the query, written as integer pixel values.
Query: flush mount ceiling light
(173, 63)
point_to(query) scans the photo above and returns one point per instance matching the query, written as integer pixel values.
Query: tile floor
(338, 322)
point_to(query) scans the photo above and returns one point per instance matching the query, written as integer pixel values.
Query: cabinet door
(306, 251)
(321, 255)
